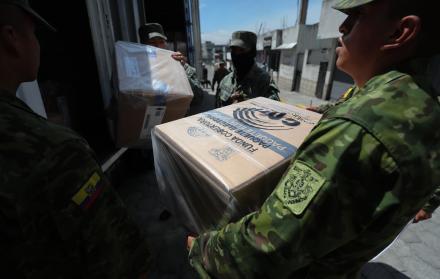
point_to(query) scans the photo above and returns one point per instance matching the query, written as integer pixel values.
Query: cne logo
(267, 119)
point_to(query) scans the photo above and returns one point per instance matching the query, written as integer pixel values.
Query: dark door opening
(68, 77)
(321, 79)
(297, 75)
(297, 81)
(172, 19)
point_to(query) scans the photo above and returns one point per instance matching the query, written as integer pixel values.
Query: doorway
(321, 79)
(68, 77)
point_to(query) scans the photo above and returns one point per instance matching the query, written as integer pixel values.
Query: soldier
(219, 74)
(153, 34)
(247, 80)
(59, 217)
(364, 171)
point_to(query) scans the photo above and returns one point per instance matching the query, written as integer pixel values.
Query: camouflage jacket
(257, 83)
(434, 202)
(59, 217)
(347, 95)
(196, 86)
(359, 177)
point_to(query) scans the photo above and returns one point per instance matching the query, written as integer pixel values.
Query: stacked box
(217, 166)
(153, 89)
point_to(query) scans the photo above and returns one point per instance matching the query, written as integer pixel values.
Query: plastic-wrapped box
(219, 165)
(153, 89)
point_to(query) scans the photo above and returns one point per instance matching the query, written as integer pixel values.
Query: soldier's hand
(189, 242)
(236, 97)
(314, 109)
(421, 216)
(178, 56)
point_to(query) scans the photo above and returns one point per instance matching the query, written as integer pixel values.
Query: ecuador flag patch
(89, 192)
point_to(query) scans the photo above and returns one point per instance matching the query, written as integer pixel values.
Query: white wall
(330, 20)
(286, 71)
(290, 35)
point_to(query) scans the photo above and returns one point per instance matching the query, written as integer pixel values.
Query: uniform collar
(7, 98)
(380, 80)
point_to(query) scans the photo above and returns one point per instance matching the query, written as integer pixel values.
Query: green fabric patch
(298, 187)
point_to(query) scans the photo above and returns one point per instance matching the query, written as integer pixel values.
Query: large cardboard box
(153, 89)
(218, 165)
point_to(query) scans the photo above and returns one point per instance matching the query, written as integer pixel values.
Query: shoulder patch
(299, 186)
(89, 192)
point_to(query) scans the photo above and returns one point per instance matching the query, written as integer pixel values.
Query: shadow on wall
(382, 271)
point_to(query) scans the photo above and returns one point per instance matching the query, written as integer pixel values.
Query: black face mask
(243, 63)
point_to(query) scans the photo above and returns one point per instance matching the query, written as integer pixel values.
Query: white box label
(153, 117)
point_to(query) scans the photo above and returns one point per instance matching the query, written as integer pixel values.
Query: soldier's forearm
(434, 202)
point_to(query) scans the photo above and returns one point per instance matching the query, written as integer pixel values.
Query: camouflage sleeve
(434, 202)
(196, 86)
(93, 235)
(323, 108)
(324, 200)
(273, 91)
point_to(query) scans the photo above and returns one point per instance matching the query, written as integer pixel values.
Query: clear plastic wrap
(214, 167)
(153, 89)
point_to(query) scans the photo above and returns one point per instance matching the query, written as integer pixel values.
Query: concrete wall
(287, 69)
(330, 20)
(307, 37)
(309, 77)
(290, 35)
(288, 58)
(311, 67)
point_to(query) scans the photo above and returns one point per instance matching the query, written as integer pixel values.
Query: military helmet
(24, 4)
(151, 30)
(342, 5)
(244, 39)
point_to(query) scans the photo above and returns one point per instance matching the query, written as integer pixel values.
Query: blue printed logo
(267, 119)
(197, 132)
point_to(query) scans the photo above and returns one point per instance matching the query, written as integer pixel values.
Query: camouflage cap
(244, 39)
(342, 5)
(24, 4)
(151, 30)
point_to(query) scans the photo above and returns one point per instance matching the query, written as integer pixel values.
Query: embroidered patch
(299, 186)
(88, 193)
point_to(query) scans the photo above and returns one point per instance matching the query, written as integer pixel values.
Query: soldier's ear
(405, 32)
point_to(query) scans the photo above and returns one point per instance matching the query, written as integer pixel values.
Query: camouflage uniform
(325, 107)
(363, 172)
(59, 217)
(433, 203)
(196, 86)
(257, 83)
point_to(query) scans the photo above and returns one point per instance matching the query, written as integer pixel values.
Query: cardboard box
(219, 165)
(153, 89)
